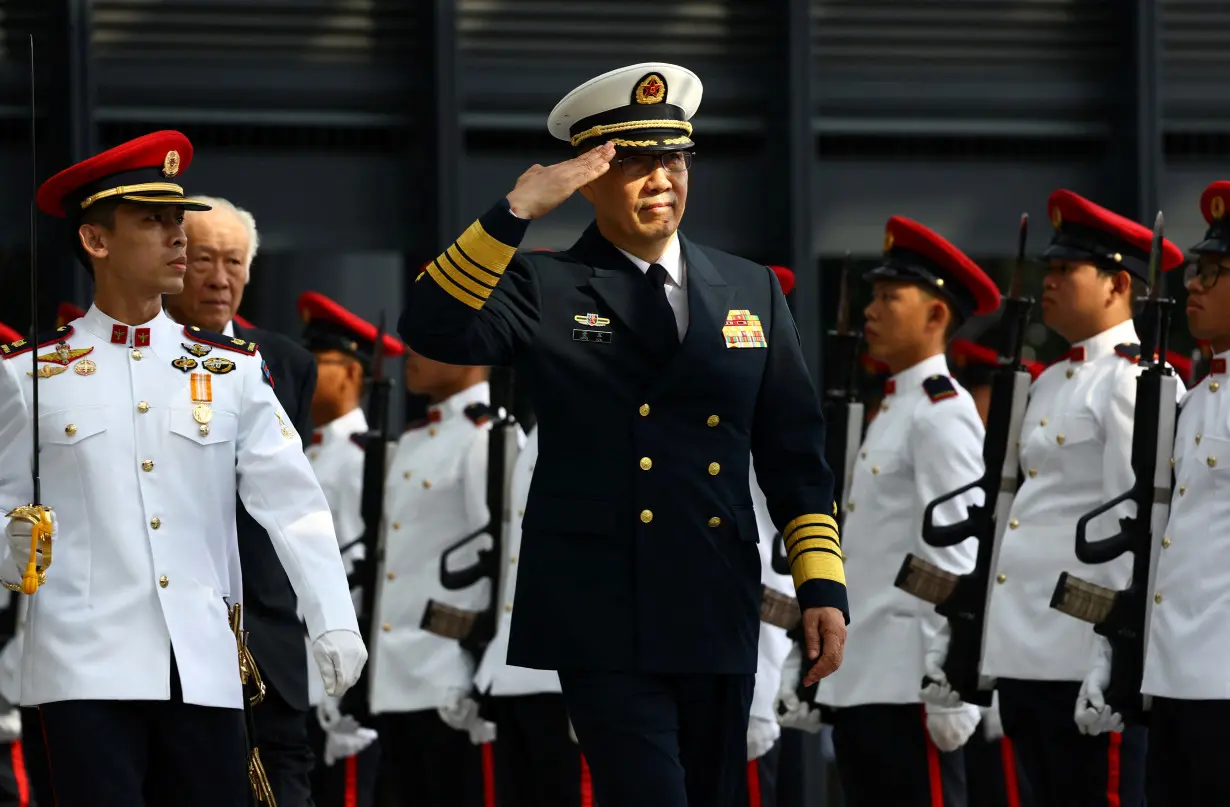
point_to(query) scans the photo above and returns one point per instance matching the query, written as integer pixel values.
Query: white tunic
(773, 644)
(145, 554)
(916, 450)
(494, 674)
(436, 494)
(1076, 445)
(1188, 653)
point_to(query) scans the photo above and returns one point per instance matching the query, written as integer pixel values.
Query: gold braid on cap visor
(627, 126)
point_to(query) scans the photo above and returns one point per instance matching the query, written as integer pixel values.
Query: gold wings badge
(64, 355)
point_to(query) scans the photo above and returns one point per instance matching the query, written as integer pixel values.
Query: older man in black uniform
(657, 368)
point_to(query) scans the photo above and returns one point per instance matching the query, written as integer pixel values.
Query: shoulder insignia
(939, 388)
(478, 413)
(359, 439)
(265, 372)
(221, 340)
(45, 338)
(1129, 351)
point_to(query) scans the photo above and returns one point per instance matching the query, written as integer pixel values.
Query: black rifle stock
(1122, 616)
(474, 630)
(962, 599)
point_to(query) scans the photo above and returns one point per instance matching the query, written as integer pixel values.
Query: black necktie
(664, 315)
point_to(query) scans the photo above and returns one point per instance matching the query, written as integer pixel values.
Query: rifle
(474, 630)
(35, 513)
(962, 599)
(843, 416)
(1122, 616)
(375, 442)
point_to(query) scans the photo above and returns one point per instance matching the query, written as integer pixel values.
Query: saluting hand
(823, 629)
(542, 189)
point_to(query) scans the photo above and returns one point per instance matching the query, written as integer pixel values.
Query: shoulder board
(45, 338)
(939, 387)
(1129, 351)
(359, 439)
(221, 340)
(478, 413)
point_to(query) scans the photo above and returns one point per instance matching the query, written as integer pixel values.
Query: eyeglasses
(636, 166)
(1206, 269)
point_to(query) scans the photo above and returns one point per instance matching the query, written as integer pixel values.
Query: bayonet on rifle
(962, 598)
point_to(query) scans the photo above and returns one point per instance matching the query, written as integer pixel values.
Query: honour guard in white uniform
(1075, 455)
(1187, 661)
(436, 495)
(147, 428)
(925, 442)
(344, 345)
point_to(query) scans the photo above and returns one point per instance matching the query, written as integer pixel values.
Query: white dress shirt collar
(1103, 344)
(912, 378)
(119, 333)
(671, 260)
(456, 403)
(341, 428)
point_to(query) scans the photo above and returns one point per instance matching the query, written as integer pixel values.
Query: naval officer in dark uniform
(658, 368)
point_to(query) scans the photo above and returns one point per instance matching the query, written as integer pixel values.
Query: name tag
(585, 335)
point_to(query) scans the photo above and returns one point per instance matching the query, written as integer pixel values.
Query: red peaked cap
(329, 326)
(1085, 231)
(968, 353)
(1181, 364)
(1213, 207)
(916, 253)
(241, 322)
(785, 278)
(7, 334)
(144, 171)
(66, 312)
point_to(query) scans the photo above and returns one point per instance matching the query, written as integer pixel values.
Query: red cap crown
(66, 312)
(785, 278)
(326, 321)
(1213, 201)
(966, 352)
(241, 322)
(139, 171)
(7, 334)
(1181, 364)
(945, 264)
(1086, 230)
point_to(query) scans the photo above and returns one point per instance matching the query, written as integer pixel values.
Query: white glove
(939, 692)
(1093, 715)
(18, 531)
(340, 656)
(792, 713)
(460, 712)
(761, 736)
(951, 728)
(992, 723)
(10, 725)
(344, 737)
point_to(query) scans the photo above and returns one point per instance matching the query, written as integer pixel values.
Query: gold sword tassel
(248, 671)
(40, 541)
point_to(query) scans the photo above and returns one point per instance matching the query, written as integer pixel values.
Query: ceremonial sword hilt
(40, 541)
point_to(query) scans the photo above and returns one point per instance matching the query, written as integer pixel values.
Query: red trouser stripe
(19, 773)
(753, 783)
(1112, 770)
(488, 775)
(587, 785)
(1012, 789)
(351, 794)
(933, 765)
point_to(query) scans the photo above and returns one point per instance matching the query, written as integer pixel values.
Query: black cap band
(323, 335)
(1077, 242)
(905, 264)
(1216, 240)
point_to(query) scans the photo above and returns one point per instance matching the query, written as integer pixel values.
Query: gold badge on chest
(47, 371)
(201, 387)
(184, 364)
(64, 355)
(197, 350)
(218, 365)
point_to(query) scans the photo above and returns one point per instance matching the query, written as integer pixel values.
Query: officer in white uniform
(344, 346)
(925, 442)
(1186, 663)
(436, 495)
(147, 428)
(1075, 455)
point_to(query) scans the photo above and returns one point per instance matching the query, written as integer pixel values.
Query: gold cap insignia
(650, 90)
(170, 164)
(1217, 207)
(888, 240)
(1056, 217)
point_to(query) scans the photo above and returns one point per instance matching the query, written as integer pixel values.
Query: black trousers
(761, 778)
(885, 758)
(281, 736)
(661, 740)
(107, 753)
(349, 782)
(34, 754)
(536, 763)
(1187, 758)
(994, 774)
(426, 764)
(1066, 768)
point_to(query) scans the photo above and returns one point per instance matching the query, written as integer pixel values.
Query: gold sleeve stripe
(462, 279)
(827, 544)
(450, 288)
(485, 250)
(810, 532)
(463, 262)
(823, 519)
(817, 565)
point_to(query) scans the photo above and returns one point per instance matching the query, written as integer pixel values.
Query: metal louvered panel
(521, 56)
(1194, 63)
(18, 20)
(995, 67)
(279, 60)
